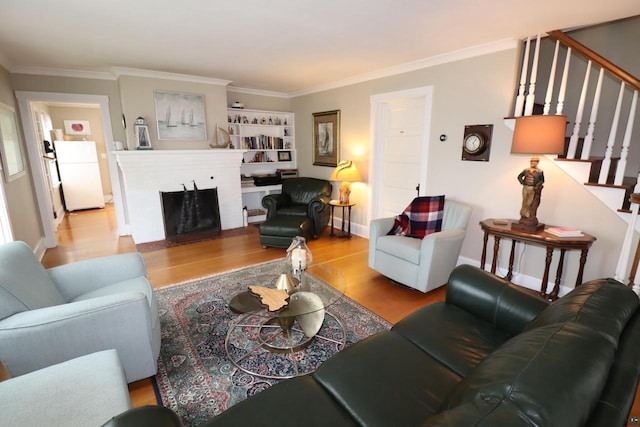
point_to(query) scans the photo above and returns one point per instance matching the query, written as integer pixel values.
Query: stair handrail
(603, 62)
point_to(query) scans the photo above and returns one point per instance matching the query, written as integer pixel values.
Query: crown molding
(444, 58)
(137, 72)
(274, 94)
(61, 72)
(116, 72)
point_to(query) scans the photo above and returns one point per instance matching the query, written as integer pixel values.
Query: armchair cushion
(17, 267)
(422, 217)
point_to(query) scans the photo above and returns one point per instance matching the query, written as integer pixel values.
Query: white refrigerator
(79, 174)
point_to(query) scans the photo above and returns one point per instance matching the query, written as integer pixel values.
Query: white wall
(137, 94)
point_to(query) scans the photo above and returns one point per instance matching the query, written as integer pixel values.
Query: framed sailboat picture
(180, 116)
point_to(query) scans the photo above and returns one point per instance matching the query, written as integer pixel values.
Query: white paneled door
(399, 158)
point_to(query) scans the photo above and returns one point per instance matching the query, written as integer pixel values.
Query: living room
(473, 85)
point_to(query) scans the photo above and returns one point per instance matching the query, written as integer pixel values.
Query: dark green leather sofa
(491, 355)
(301, 209)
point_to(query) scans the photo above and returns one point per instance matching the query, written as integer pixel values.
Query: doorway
(26, 102)
(401, 124)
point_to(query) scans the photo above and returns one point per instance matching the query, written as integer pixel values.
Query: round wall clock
(476, 143)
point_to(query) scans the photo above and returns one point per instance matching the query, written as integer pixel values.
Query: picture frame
(326, 138)
(180, 116)
(284, 156)
(143, 142)
(10, 145)
(77, 127)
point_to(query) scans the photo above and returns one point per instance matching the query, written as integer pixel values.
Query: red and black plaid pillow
(421, 218)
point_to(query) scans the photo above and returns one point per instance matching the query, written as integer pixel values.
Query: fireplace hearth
(190, 214)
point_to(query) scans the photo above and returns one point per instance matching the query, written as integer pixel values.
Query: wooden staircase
(605, 170)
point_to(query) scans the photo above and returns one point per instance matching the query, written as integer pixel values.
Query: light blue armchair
(421, 264)
(50, 316)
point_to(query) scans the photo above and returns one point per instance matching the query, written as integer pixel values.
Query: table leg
(545, 276)
(349, 223)
(483, 257)
(331, 233)
(342, 223)
(496, 248)
(556, 287)
(511, 258)
(583, 261)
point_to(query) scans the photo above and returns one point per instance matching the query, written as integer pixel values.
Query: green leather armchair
(302, 205)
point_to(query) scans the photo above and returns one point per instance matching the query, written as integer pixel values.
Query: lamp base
(527, 226)
(345, 190)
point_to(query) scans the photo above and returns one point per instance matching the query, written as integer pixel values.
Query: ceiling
(280, 46)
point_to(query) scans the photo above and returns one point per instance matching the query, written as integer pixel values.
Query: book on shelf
(564, 231)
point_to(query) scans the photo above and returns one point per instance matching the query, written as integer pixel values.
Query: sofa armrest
(85, 391)
(319, 212)
(146, 416)
(35, 339)
(272, 202)
(78, 278)
(504, 305)
(377, 227)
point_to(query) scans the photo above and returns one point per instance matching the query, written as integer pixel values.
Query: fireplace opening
(190, 214)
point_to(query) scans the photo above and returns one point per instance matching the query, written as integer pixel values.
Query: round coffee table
(291, 341)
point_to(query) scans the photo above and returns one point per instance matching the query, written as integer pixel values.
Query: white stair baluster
(531, 96)
(552, 79)
(588, 139)
(626, 141)
(523, 81)
(606, 162)
(575, 135)
(563, 83)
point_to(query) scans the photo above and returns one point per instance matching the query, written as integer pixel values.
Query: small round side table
(336, 204)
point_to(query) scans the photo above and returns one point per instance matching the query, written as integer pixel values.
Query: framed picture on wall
(326, 138)
(10, 146)
(180, 116)
(77, 127)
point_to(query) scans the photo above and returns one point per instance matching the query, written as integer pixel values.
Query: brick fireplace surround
(147, 173)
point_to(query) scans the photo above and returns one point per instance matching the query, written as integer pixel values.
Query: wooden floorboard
(93, 233)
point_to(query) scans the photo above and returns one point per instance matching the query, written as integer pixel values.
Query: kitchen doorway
(27, 102)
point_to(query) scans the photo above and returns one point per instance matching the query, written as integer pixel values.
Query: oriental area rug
(196, 378)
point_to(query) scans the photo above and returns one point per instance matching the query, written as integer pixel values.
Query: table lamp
(535, 135)
(346, 172)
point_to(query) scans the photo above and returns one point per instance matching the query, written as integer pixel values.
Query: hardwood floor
(92, 233)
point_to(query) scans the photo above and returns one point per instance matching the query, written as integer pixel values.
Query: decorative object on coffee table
(299, 256)
(273, 299)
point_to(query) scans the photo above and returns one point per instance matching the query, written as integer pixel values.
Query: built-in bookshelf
(267, 137)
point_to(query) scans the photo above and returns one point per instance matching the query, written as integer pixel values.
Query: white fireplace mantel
(147, 173)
